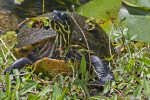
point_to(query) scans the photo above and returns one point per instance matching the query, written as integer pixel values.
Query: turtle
(36, 45)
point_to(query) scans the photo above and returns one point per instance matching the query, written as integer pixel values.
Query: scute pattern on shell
(97, 39)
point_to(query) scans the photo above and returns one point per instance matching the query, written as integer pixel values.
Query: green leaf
(95, 98)
(104, 11)
(16, 72)
(114, 97)
(146, 87)
(137, 20)
(86, 76)
(17, 87)
(107, 86)
(84, 87)
(8, 84)
(30, 23)
(118, 69)
(144, 60)
(63, 94)
(135, 9)
(140, 3)
(138, 27)
(28, 88)
(10, 33)
(56, 92)
(45, 20)
(34, 19)
(98, 8)
(5, 98)
(46, 23)
(30, 96)
(83, 66)
(43, 92)
(137, 92)
(1, 93)
(148, 75)
(18, 1)
(30, 82)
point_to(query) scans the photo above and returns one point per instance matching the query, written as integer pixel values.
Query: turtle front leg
(102, 70)
(18, 64)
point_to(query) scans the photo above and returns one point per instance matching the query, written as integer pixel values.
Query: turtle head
(62, 24)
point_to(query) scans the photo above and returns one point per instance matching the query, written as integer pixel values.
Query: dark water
(31, 8)
(11, 14)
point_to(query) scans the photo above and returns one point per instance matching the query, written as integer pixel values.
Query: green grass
(130, 68)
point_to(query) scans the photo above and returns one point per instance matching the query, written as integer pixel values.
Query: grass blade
(146, 87)
(43, 92)
(63, 94)
(56, 92)
(8, 84)
(28, 88)
(83, 66)
(137, 92)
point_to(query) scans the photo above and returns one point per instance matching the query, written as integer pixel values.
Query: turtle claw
(101, 69)
(18, 64)
(103, 80)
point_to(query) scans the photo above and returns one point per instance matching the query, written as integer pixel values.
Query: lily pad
(138, 27)
(104, 11)
(137, 20)
(137, 8)
(141, 3)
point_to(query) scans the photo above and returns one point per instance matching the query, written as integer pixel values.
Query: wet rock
(8, 21)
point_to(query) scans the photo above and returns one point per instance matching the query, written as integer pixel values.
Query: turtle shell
(97, 39)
